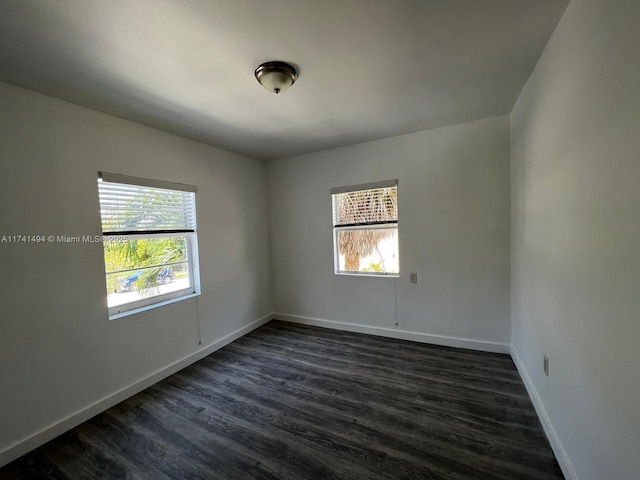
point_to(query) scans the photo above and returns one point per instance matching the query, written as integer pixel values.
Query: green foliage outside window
(141, 253)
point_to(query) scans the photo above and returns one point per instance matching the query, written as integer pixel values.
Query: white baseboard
(484, 346)
(48, 433)
(561, 455)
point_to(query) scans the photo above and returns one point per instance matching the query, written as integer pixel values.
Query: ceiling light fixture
(276, 76)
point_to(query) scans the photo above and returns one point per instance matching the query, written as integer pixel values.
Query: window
(365, 228)
(149, 238)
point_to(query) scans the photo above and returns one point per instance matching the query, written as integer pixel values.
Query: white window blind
(375, 204)
(129, 205)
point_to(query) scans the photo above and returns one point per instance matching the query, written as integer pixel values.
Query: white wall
(453, 196)
(576, 236)
(59, 352)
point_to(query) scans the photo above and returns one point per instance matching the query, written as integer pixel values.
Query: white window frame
(191, 239)
(371, 226)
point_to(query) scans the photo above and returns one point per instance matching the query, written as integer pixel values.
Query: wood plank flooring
(296, 402)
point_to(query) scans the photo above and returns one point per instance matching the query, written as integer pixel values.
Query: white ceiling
(368, 68)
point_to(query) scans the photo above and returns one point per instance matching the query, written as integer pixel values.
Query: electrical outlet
(545, 365)
(413, 278)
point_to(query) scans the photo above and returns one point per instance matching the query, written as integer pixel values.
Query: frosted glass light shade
(276, 76)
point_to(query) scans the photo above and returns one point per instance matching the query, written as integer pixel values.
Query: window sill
(370, 275)
(152, 306)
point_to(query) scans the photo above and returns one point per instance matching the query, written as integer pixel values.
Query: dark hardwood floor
(297, 402)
